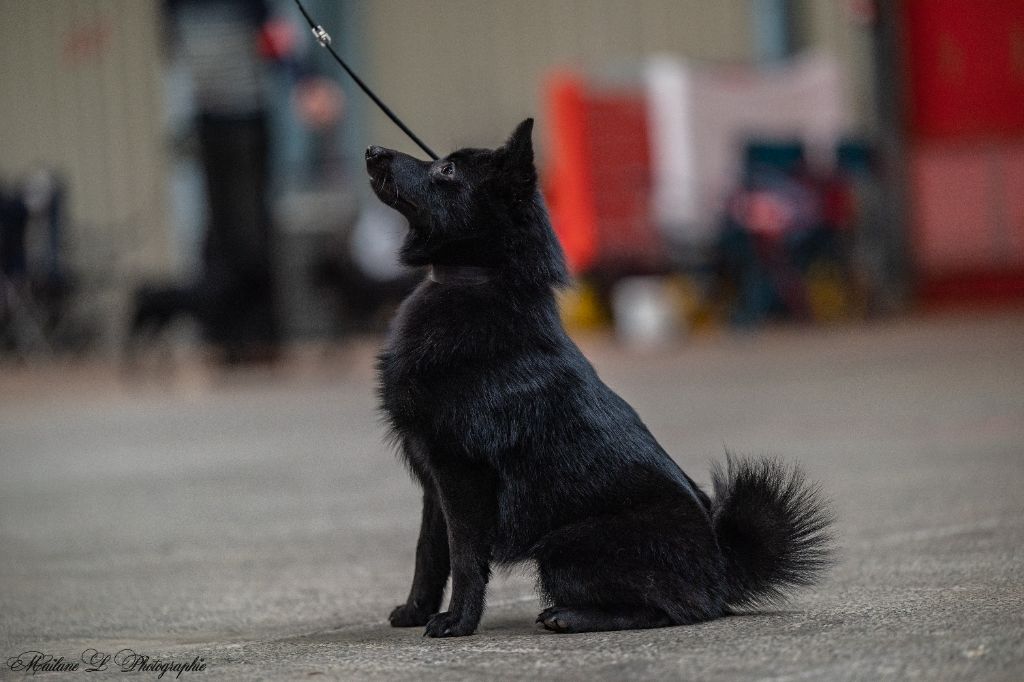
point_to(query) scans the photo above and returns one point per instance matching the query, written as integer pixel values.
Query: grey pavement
(260, 523)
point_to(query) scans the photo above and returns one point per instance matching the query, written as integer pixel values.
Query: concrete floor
(258, 522)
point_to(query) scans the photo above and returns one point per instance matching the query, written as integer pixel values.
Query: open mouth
(386, 189)
(405, 205)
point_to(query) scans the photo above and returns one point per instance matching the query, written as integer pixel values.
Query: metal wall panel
(80, 92)
(466, 71)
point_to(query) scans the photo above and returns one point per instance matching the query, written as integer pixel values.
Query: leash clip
(322, 36)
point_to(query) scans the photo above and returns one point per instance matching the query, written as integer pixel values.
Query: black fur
(525, 455)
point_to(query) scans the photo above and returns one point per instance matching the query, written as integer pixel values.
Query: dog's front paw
(407, 616)
(448, 624)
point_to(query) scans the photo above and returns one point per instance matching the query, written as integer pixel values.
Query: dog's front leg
(432, 566)
(469, 501)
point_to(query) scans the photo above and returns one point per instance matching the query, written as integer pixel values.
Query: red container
(599, 179)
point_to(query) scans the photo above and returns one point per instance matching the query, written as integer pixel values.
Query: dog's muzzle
(377, 157)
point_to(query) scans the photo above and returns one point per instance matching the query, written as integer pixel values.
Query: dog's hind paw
(407, 616)
(448, 624)
(556, 619)
(585, 619)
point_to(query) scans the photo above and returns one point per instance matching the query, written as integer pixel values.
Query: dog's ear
(516, 159)
(520, 143)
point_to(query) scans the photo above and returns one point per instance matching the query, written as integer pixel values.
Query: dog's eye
(448, 170)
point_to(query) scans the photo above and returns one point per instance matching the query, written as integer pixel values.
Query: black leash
(324, 39)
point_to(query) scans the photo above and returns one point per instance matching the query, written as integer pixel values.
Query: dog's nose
(373, 152)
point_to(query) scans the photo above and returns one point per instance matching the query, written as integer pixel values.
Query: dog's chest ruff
(422, 375)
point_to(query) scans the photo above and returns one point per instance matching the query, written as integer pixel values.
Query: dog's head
(477, 207)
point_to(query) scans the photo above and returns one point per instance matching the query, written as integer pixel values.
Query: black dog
(524, 454)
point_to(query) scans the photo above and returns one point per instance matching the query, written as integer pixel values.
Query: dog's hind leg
(592, 619)
(432, 568)
(652, 567)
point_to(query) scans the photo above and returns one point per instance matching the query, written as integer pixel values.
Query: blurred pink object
(320, 102)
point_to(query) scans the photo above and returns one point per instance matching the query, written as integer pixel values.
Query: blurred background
(795, 227)
(188, 174)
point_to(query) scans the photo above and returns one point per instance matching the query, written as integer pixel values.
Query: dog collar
(459, 274)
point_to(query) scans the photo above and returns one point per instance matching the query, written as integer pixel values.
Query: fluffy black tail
(772, 526)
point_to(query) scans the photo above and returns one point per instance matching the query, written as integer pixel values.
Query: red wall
(965, 126)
